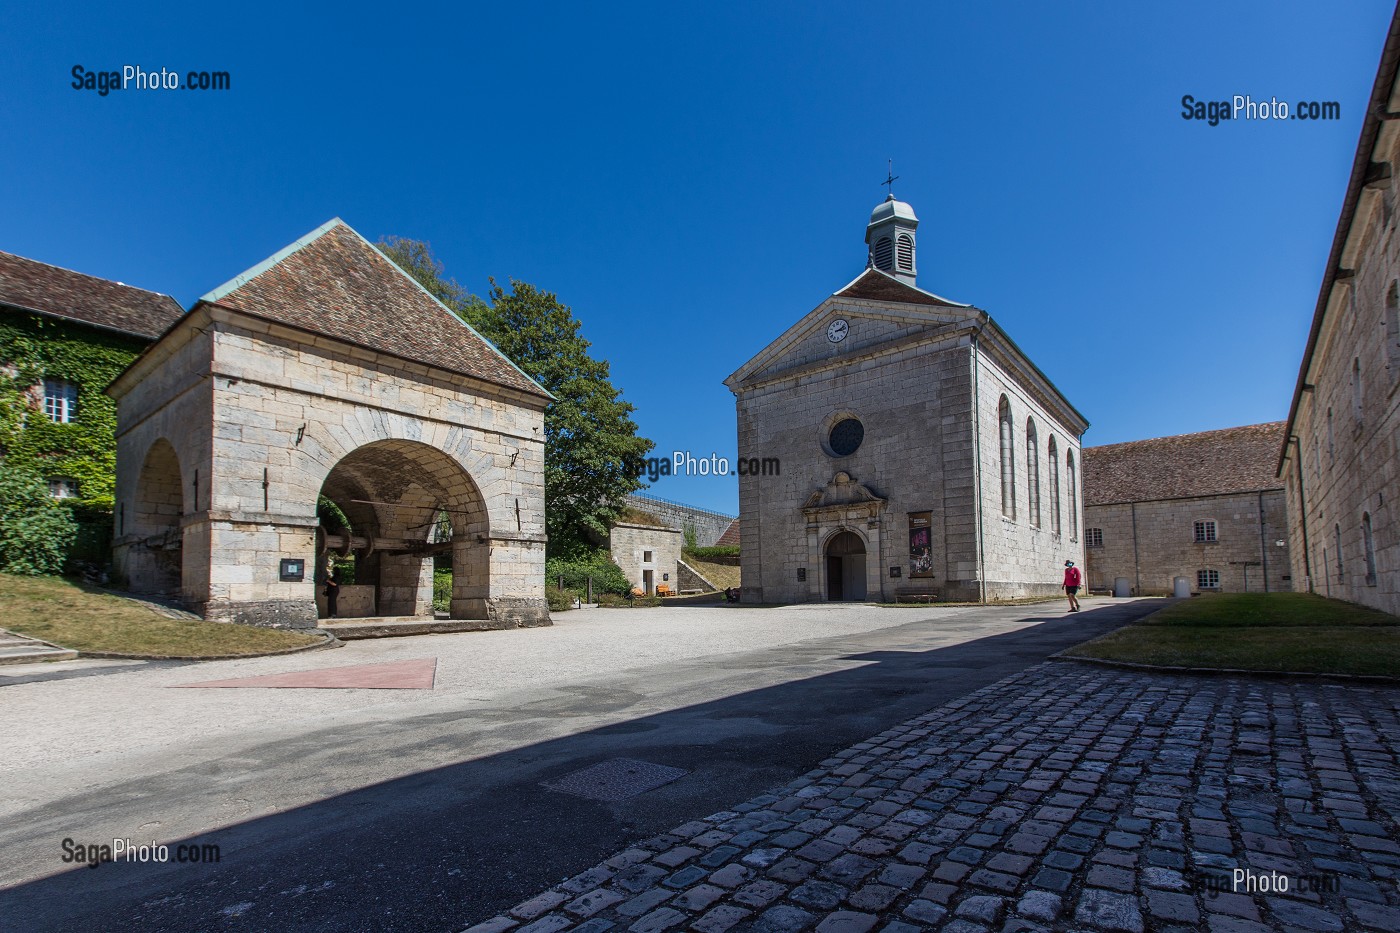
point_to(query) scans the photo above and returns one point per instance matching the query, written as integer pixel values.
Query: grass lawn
(87, 618)
(1258, 632)
(722, 576)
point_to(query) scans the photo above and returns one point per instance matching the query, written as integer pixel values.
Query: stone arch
(392, 492)
(845, 554)
(159, 503)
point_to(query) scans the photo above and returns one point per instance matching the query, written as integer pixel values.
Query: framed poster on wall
(920, 544)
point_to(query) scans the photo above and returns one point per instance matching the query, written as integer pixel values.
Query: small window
(1392, 329)
(904, 251)
(1207, 579)
(1205, 532)
(646, 557)
(1357, 397)
(1337, 540)
(1370, 546)
(61, 487)
(60, 400)
(1331, 440)
(1093, 537)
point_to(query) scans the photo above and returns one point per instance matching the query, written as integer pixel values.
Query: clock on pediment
(837, 330)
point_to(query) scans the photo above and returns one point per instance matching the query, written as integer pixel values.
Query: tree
(591, 442)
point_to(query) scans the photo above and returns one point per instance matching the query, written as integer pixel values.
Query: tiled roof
(874, 285)
(730, 538)
(38, 286)
(1210, 463)
(333, 282)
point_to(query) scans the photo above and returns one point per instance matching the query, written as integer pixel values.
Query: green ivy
(35, 348)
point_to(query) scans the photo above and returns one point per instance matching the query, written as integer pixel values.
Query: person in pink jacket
(1072, 583)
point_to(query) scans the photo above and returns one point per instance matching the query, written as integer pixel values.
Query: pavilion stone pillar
(406, 585)
(512, 596)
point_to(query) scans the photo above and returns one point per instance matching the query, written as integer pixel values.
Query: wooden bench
(915, 594)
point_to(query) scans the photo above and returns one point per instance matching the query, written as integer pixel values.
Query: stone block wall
(1348, 423)
(1247, 553)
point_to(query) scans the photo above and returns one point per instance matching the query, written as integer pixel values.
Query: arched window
(1008, 460)
(1053, 455)
(1356, 398)
(1370, 546)
(1073, 488)
(1033, 472)
(904, 251)
(1392, 329)
(884, 254)
(1331, 440)
(1341, 567)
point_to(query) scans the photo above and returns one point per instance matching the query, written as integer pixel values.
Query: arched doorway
(845, 568)
(156, 562)
(391, 513)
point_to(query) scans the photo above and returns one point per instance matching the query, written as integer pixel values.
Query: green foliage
(688, 534)
(330, 515)
(719, 553)
(35, 531)
(591, 442)
(607, 576)
(614, 601)
(84, 449)
(560, 600)
(442, 590)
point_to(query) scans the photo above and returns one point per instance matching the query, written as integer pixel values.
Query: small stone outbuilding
(325, 381)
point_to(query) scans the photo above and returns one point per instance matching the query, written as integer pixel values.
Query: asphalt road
(408, 810)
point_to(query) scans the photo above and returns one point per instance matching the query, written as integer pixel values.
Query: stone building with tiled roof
(322, 410)
(922, 454)
(1205, 507)
(63, 337)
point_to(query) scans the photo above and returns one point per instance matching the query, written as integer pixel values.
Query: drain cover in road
(617, 779)
(392, 675)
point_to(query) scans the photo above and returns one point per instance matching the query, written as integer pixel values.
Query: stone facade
(1145, 499)
(1341, 461)
(233, 426)
(647, 554)
(928, 382)
(1153, 542)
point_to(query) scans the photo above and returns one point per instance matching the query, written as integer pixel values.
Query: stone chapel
(923, 454)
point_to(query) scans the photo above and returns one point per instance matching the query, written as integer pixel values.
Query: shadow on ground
(443, 848)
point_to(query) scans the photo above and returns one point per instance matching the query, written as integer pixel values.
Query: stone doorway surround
(843, 505)
(327, 369)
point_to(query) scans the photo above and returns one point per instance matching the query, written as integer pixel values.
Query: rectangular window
(60, 400)
(60, 487)
(1205, 532)
(1093, 537)
(646, 557)
(1207, 579)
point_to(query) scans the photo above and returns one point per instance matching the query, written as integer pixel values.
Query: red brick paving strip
(417, 674)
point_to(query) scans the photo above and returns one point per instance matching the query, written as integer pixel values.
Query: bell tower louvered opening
(890, 236)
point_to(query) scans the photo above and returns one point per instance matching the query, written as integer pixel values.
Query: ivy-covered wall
(33, 348)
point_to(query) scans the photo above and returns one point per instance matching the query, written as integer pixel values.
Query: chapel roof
(1210, 463)
(874, 285)
(730, 538)
(334, 282)
(30, 285)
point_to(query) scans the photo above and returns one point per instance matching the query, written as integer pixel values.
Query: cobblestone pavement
(1064, 798)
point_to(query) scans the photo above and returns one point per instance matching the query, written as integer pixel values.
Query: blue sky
(692, 178)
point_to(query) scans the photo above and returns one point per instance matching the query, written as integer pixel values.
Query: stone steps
(395, 626)
(20, 649)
